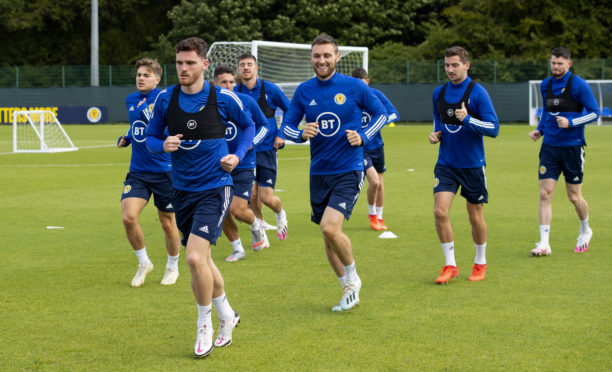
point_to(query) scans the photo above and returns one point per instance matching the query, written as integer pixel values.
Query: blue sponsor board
(65, 114)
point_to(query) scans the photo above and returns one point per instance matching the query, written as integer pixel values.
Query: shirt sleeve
(262, 124)
(372, 105)
(436, 115)
(157, 124)
(488, 124)
(237, 114)
(280, 100)
(292, 118)
(393, 114)
(586, 97)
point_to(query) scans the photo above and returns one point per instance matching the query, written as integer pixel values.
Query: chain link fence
(381, 72)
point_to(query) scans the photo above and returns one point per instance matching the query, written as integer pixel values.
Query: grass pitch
(66, 301)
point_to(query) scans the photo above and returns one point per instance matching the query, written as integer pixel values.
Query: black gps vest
(202, 125)
(563, 102)
(447, 110)
(262, 102)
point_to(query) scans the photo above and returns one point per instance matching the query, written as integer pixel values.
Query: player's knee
(546, 194)
(329, 231)
(574, 198)
(440, 213)
(194, 260)
(130, 220)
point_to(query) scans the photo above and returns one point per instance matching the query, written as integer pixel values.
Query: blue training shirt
(336, 105)
(377, 140)
(142, 161)
(581, 93)
(196, 164)
(276, 99)
(461, 146)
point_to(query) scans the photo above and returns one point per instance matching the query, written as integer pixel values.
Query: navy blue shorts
(337, 191)
(142, 185)
(243, 182)
(473, 182)
(569, 160)
(375, 158)
(202, 212)
(267, 166)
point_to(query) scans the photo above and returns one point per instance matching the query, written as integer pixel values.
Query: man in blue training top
(149, 174)
(569, 106)
(189, 121)
(243, 175)
(269, 97)
(332, 104)
(374, 158)
(463, 114)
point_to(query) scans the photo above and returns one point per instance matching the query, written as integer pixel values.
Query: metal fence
(382, 72)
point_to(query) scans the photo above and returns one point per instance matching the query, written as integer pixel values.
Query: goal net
(602, 89)
(285, 64)
(39, 131)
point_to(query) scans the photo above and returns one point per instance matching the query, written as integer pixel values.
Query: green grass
(66, 303)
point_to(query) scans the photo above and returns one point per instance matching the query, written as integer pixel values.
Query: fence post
(110, 75)
(437, 71)
(494, 71)
(63, 76)
(16, 76)
(407, 72)
(603, 69)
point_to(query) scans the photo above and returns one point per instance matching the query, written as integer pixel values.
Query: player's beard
(331, 68)
(190, 79)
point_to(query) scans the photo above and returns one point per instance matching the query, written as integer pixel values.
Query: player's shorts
(337, 191)
(266, 168)
(243, 182)
(473, 182)
(569, 160)
(142, 185)
(375, 158)
(202, 212)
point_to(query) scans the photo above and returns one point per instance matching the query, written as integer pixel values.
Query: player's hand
(562, 121)
(141, 102)
(535, 135)
(461, 113)
(310, 130)
(122, 142)
(435, 137)
(172, 143)
(354, 138)
(229, 162)
(279, 143)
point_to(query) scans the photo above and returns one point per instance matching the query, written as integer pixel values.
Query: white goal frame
(38, 127)
(535, 100)
(289, 81)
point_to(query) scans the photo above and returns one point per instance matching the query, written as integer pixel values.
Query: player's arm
(262, 124)
(235, 112)
(292, 118)
(157, 140)
(436, 135)
(124, 141)
(392, 113)
(585, 96)
(372, 105)
(280, 100)
(488, 124)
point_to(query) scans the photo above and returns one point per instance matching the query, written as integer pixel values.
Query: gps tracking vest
(262, 102)
(447, 110)
(202, 125)
(563, 102)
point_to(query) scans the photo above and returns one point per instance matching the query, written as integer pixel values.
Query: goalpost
(39, 131)
(285, 64)
(602, 90)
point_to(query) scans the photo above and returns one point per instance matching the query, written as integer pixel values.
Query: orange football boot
(448, 272)
(478, 273)
(374, 222)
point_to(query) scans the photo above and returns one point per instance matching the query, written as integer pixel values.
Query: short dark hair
(193, 43)
(150, 63)
(247, 55)
(456, 50)
(223, 69)
(325, 39)
(561, 52)
(359, 73)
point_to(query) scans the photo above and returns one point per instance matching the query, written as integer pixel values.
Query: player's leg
(442, 204)
(173, 243)
(573, 168)
(230, 229)
(380, 199)
(243, 187)
(371, 192)
(270, 200)
(197, 255)
(228, 317)
(548, 173)
(479, 235)
(130, 211)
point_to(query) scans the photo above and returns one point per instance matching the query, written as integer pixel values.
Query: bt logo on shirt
(329, 124)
